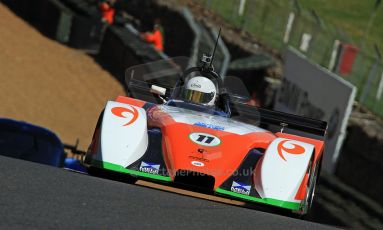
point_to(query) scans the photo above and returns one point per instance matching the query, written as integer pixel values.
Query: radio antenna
(215, 47)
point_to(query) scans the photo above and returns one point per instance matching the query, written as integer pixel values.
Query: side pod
(280, 172)
(122, 137)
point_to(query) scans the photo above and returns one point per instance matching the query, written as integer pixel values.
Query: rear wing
(283, 120)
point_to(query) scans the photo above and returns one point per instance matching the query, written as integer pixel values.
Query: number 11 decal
(204, 139)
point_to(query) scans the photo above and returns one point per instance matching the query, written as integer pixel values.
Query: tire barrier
(20, 7)
(360, 164)
(178, 34)
(35, 14)
(29, 10)
(122, 48)
(74, 22)
(112, 50)
(56, 21)
(86, 33)
(86, 8)
(50, 17)
(77, 23)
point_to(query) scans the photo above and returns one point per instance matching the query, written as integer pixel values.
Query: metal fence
(268, 21)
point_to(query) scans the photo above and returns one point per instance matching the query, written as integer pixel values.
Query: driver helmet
(200, 90)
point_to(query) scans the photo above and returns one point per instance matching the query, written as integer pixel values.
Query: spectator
(107, 11)
(155, 37)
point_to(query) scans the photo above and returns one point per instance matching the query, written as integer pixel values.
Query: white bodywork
(279, 174)
(193, 117)
(119, 143)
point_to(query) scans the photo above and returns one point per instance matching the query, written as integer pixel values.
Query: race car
(198, 134)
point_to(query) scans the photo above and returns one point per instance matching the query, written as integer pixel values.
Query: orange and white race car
(197, 133)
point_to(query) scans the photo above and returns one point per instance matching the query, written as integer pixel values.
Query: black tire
(111, 175)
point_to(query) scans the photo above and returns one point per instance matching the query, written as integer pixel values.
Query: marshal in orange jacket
(155, 38)
(107, 12)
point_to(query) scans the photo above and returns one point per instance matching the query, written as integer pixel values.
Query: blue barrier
(29, 142)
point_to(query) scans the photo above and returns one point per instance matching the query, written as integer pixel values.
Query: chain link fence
(278, 24)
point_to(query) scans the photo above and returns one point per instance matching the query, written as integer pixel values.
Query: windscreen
(167, 73)
(164, 73)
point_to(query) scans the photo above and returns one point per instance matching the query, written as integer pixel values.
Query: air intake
(195, 179)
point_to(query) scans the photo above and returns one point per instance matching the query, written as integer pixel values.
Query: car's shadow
(318, 214)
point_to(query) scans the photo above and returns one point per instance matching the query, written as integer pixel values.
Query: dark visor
(197, 96)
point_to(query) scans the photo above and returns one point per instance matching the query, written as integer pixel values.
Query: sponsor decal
(198, 158)
(210, 126)
(197, 163)
(120, 112)
(149, 167)
(204, 139)
(240, 188)
(201, 151)
(195, 85)
(296, 149)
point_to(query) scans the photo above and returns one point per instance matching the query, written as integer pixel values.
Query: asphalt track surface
(35, 196)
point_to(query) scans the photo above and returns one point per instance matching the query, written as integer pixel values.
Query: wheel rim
(311, 186)
(313, 183)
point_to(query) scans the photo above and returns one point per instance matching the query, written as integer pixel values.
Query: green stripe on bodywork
(119, 168)
(269, 201)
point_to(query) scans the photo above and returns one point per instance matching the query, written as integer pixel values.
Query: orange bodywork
(301, 194)
(219, 161)
(130, 101)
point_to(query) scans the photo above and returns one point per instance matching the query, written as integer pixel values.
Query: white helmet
(200, 90)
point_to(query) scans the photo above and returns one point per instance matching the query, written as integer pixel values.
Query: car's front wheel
(313, 172)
